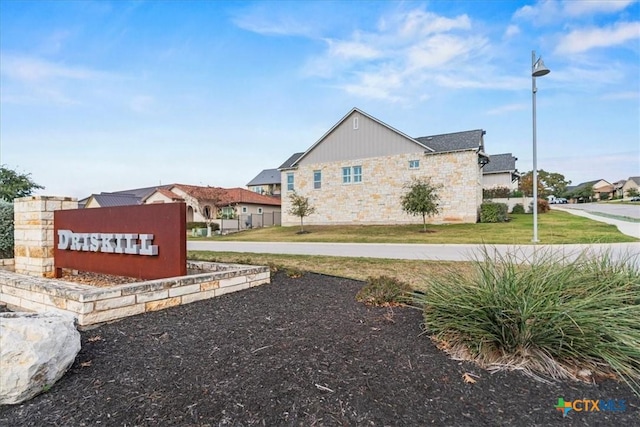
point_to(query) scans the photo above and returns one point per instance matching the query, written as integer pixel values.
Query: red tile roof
(228, 196)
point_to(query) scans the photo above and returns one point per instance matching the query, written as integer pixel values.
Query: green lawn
(553, 228)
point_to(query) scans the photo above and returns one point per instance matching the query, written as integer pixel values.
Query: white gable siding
(370, 139)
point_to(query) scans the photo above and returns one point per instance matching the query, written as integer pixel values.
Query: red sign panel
(146, 241)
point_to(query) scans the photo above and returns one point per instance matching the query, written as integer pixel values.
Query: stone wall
(93, 305)
(7, 264)
(376, 200)
(33, 233)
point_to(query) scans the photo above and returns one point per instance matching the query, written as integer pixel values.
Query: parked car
(635, 199)
(558, 200)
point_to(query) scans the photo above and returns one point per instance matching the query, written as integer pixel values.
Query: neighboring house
(602, 189)
(202, 202)
(214, 202)
(632, 183)
(618, 188)
(357, 172)
(501, 172)
(118, 198)
(267, 182)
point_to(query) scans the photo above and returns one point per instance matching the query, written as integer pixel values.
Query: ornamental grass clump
(552, 315)
(384, 291)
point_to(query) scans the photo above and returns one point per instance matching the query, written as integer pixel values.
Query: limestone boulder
(36, 349)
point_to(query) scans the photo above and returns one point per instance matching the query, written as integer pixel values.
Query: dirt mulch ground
(298, 352)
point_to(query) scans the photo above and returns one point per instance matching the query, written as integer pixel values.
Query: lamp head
(539, 69)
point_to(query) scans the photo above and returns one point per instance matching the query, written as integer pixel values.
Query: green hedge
(518, 209)
(493, 212)
(6, 230)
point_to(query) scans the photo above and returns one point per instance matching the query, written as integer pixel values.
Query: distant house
(118, 198)
(633, 183)
(226, 203)
(501, 171)
(618, 188)
(602, 190)
(358, 170)
(266, 182)
(202, 202)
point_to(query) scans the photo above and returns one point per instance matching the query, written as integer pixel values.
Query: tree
(300, 207)
(421, 199)
(209, 205)
(633, 192)
(14, 184)
(548, 183)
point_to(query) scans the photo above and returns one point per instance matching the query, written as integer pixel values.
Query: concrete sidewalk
(626, 227)
(412, 251)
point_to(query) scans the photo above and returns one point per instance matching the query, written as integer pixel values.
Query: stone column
(33, 233)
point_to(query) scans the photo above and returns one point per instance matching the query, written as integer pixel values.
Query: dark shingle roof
(141, 192)
(106, 200)
(500, 163)
(457, 141)
(267, 176)
(635, 179)
(290, 161)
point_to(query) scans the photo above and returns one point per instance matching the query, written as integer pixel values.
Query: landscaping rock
(36, 349)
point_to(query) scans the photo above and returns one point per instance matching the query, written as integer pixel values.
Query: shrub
(495, 193)
(518, 209)
(383, 291)
(493, 212)
(516, 193)
(6, 230)
(214, 225)
(553, 315)
(543, 206)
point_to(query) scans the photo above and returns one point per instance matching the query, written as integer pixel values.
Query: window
(228, 212)
(290, 181)
(357, 174)
(317, 179)
(346, 175)
(351, 174)
(259, 210)
(244, 209)
(414, 164)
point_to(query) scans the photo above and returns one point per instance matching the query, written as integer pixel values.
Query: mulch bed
(297, 352)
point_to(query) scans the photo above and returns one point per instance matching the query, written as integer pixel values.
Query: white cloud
(259, 20)
(633, 95)
(512, 30)
(30, 69)
(507, 109)
(589, 38)
(352, 50)
(578, 8)
(399, 55)
(554, 11)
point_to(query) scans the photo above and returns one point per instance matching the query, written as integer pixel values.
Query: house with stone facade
(633, 184)
(358, 170)
(267, 182)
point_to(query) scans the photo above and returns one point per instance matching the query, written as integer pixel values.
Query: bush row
(6, 230)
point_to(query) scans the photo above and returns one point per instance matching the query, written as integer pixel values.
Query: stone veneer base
(92, 305)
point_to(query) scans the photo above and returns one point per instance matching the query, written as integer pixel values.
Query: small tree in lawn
(421, 199)
(300, 207)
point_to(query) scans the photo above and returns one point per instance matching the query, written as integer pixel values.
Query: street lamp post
(537, 70)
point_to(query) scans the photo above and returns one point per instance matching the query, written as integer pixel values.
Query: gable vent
(355, 123)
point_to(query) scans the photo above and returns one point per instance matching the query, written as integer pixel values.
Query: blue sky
(109, 95)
